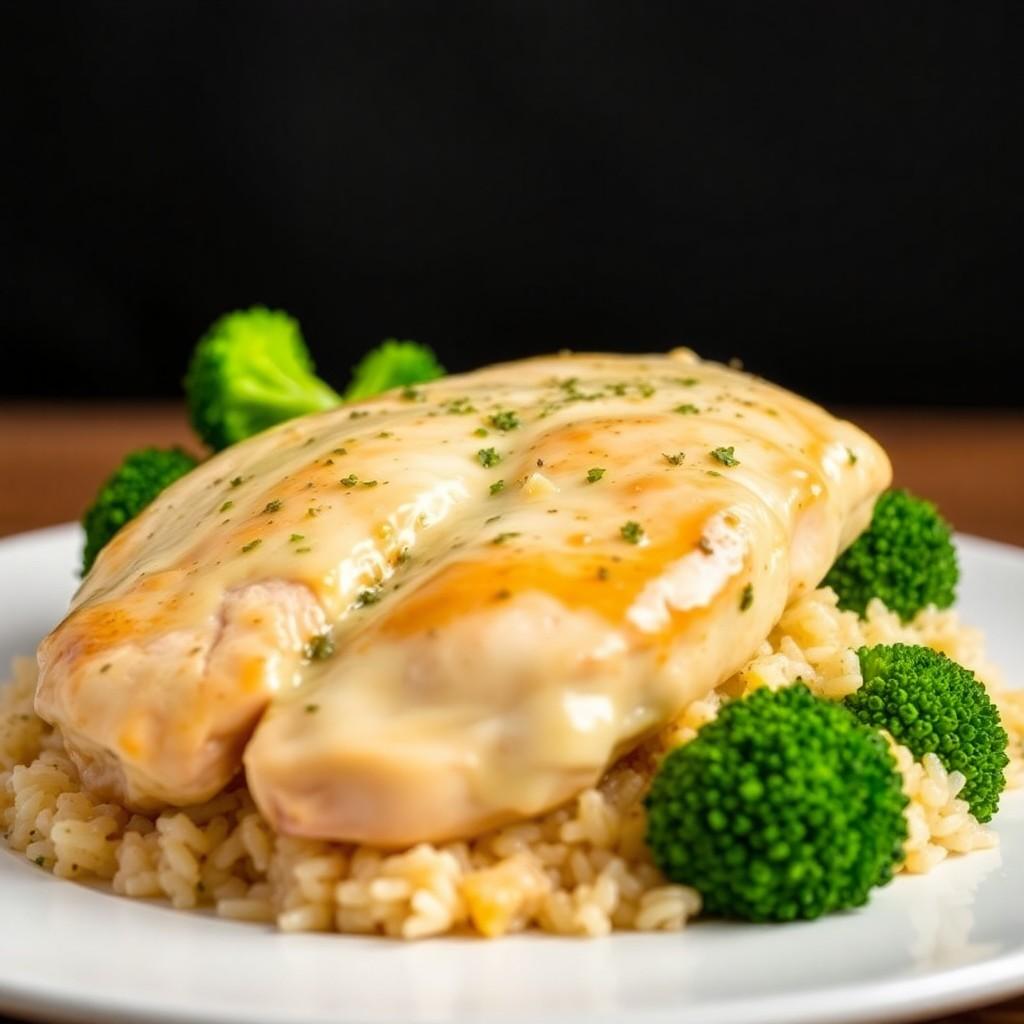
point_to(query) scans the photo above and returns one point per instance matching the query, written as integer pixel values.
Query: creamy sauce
(503, 623)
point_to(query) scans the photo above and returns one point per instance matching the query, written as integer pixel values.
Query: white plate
(924, 945)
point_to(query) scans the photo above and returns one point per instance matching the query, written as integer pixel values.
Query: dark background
(830, 191)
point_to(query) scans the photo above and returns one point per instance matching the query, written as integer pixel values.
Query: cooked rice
(582, 869)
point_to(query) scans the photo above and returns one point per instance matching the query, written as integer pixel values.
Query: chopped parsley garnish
(506, 419)
(459, 406)
(349, 481)
(687, 382)
(726, 456)
(339, 451)
(368, 483)
(851, 456)
(481, 432)
(358, 414)
(502, 537)
(411, 394)
(595, 474)
(237, 482)
(251, 546)
(367, 597)
(227, 505)
(272, 506)
(497, 486)
(632, 532)
(687, 408)
(488, 457)
(295, 538)
(747, 597)
(320, 648)
(674, 460)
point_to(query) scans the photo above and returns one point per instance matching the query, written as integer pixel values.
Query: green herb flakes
(632, 532)
(488, 457)
(595, 474)
(320, 648)
(504, 420)
(458, 407)
(726, 456)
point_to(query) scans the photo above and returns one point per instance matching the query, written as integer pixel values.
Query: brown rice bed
(580, 870)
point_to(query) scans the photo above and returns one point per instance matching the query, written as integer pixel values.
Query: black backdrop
(829, 190)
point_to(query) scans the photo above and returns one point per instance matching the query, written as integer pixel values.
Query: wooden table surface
(54, 456)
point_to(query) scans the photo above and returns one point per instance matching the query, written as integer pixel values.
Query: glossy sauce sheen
(488, 648)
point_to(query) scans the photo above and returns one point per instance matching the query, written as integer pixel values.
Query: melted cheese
(498, 639)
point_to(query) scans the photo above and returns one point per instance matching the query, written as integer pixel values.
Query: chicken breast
(455, 605)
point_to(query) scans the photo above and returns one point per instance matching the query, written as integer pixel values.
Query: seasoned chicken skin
(452, 606)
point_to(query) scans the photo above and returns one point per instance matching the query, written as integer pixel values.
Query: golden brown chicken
(454, 605)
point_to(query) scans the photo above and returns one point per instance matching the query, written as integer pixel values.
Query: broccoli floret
(905, 557)
(392, 364)
(137, 481)
(250, 371)
(783, 807)
(931, 704)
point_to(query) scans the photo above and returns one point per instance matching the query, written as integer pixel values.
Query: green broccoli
(783, 807)
(137, 481)
(931, 704)
(906, 557)
(392, 364)
(250, 371)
